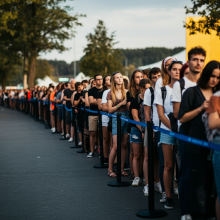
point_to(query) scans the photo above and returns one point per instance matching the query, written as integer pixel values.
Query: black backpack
(163, 94)
(173, 120)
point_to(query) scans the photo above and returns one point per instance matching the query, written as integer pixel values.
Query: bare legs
(92, 140)
(124, 141)
(137, 149)
(106, 141)
(168, 166)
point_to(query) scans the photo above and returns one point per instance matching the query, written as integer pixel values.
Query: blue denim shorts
(124, 124)
(216, 166)
(167, 139)
(136, 136)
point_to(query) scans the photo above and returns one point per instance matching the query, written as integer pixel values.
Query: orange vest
(52, 94)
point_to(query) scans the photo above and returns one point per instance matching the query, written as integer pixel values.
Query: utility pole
(74, 56)
(126, 66)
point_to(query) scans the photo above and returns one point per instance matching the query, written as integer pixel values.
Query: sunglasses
(176, 61)
(115, 73)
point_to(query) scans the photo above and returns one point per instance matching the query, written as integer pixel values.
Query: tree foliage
(209, 10)
(148, 55)
(37, 26)
(100, 55)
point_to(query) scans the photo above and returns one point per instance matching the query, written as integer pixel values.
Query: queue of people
(183, 98)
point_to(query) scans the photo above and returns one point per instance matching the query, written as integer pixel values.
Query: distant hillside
(137, 57)
(61, 68)
(141, 57)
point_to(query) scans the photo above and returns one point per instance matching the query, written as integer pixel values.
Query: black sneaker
(105, 160)
(169, 203)
(131, 178)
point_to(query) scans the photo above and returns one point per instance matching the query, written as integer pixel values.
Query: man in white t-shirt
(196, 60)
(151, 114)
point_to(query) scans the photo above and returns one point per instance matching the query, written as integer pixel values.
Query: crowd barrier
(151, 212)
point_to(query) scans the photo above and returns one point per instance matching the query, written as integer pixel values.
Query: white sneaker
(176, 192)
(136, 181)
(146, 190)
(157, 187)
(62, 134)
(53, 130)
(80, 144)
(70, 140)
(186, 217)
(163, 198)
(67, 135)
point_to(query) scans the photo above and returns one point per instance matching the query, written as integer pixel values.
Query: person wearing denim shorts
(163, 99)
(136, 136)
(117, 103)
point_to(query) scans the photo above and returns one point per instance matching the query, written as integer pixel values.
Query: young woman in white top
(164, 107)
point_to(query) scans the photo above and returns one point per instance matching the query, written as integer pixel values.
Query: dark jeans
(202, 193)
(161, 159)
(184, 176)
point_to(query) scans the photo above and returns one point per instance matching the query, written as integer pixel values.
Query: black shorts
(60, 113)
(68, 117)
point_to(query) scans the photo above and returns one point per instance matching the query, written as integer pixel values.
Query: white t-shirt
(147, 102)
(158, 84)
(168, 105)
(105, 118)
(177, 92)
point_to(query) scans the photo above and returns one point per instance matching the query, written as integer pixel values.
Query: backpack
(173, 120)
(163, 94)
(152, 99)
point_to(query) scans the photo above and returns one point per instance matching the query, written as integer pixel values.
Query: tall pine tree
(100, 55)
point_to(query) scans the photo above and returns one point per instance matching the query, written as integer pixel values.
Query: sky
(137, 24)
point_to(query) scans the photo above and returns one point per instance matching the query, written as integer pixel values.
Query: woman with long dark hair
(103, 106)
(134, 91)
(194, 103)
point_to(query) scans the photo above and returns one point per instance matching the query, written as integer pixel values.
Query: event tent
(45, 82)
(181, 56)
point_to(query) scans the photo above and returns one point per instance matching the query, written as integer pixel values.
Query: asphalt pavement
(41, 177)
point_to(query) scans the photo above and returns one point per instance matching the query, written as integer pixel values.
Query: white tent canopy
(80, 77)
(181, 56)
(45, 82)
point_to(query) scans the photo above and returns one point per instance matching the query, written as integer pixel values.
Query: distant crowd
(179, 97)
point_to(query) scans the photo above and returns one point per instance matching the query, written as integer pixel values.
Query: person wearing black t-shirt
(195, 102)
(136, 135)
(93, 118)
(67, 97)
(79, 104)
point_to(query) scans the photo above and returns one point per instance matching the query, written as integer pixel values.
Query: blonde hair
(113, 90)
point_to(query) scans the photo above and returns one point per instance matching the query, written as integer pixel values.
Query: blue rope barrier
(134, 122)
(69, 110)
(189, 139)
(173, 134)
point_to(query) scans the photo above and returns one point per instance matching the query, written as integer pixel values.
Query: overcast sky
(138, 24)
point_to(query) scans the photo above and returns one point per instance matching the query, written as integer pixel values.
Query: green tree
(209, 10)
(37, 26)
(43, 68)
(100, 56)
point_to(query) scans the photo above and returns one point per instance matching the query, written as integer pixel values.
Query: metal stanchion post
(75, 128)
(55, 118)
(81, 116)
(151, 212)
(64, 125)
(47, 126)
(119, 183)
(101, 165)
